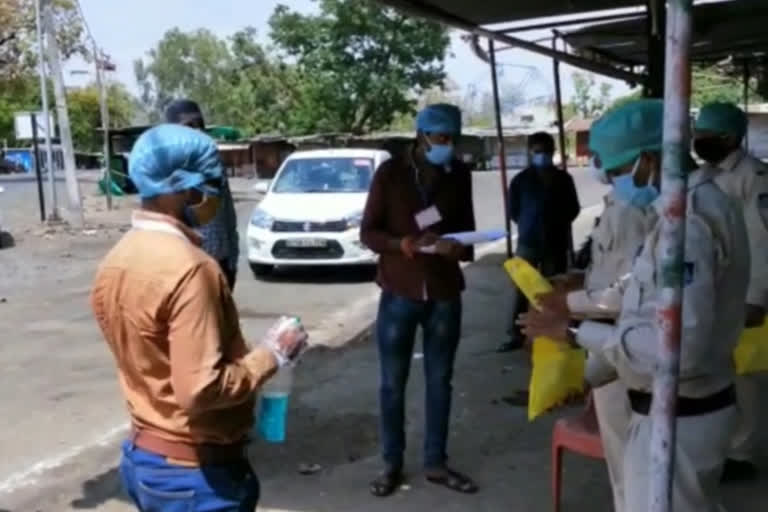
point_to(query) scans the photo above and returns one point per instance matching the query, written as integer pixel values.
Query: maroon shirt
(393, 202)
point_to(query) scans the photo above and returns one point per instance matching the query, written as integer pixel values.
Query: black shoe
(513, 344)
(738, 471)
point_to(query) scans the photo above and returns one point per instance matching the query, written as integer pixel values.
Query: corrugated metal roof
(503, 11)
(721, 30)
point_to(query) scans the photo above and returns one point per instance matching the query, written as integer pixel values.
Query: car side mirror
(262, 186)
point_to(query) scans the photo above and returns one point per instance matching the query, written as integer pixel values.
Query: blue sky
(127, 30)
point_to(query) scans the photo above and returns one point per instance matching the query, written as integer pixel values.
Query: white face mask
(598, 172)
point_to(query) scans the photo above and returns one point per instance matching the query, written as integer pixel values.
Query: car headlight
(354, 220)
(261, 219)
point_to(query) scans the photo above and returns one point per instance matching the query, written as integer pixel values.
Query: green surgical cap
(623, 134)
(723, 119)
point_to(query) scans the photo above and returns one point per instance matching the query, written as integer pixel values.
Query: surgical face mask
(440, 154)
(598, 172)
(712, 150)
(541, 160)
(626, 190)
(200, 214)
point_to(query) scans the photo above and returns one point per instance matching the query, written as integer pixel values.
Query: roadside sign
(22, 123)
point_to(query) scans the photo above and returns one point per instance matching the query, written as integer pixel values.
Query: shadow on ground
(99, 490)
(320, 275)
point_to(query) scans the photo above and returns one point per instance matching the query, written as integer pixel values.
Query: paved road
(58, 390)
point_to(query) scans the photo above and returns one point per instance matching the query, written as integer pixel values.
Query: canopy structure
(723, 30)
(490, 13)
(663, 43)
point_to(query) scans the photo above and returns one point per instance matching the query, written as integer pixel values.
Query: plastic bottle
(273, 406)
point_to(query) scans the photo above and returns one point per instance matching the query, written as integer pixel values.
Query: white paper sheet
(470, 238)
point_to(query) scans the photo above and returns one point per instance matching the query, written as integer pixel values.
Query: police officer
(716, 270)
(616, 240)
(720, 130)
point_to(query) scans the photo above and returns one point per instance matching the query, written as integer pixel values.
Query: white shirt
(717, 274)
(616, 241)
(744, 179)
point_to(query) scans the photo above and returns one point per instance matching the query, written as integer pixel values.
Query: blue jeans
(396, 326)
(155, 485)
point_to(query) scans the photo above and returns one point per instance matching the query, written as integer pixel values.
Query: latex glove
(287, 339)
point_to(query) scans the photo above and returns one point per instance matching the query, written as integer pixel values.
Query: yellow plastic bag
(751, 354)
(558, 371)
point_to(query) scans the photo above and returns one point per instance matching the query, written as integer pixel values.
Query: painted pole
(677, 97)
(502, 149)
(561, 132)
(54, 215)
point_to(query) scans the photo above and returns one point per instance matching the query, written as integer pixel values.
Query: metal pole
(561, 134)
(656, 32)
(746, 100)
(502, 149)
(46, 112)
(38, 171)
(677, 90)
(101, 83)
(559, 103)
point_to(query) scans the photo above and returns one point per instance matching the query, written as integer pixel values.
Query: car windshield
(325, 175)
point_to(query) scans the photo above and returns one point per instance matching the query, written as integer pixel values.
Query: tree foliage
(22, 94)
(18, 34)
(353, 67)
(362, 60)
(85, 114)
(588, 98)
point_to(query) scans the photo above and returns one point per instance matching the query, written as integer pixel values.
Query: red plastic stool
(579, 434)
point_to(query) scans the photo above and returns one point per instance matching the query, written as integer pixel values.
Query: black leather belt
(641, 402)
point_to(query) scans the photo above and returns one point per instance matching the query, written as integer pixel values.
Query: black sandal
(386, 484)
(454, 481)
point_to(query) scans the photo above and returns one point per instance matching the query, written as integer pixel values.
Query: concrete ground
(333, 424)
(59, 452)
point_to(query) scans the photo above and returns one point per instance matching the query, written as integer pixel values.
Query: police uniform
(716, 278)
(744, 179)
(616, 240)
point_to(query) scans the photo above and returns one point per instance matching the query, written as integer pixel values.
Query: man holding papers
(414, 200)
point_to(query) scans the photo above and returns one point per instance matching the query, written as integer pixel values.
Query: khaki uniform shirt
(716, 277)
(166, 311)
(616, 241)
(744, 179)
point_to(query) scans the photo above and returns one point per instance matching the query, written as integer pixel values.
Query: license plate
(306, 243)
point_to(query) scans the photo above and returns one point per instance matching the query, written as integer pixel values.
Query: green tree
(362, 64)
(18, 93)
(85, 114)
(235, 80)
(190, 64)
(18, 43)
(587, 103)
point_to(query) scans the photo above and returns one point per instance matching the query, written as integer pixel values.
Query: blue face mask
(627, 191)
(440, 154)
(541, 160)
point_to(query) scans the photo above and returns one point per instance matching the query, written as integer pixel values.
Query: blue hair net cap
(623, 134)
(723, 119)
(439, 118)
(172, 158)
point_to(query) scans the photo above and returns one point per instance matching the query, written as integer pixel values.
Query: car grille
(285, 226)
(331, 251)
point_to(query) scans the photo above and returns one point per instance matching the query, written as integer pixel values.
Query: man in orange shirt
(166, 311)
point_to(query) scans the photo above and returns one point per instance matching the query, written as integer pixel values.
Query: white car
(312, 210)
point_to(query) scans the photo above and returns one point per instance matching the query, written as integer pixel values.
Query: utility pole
(101, 67)
(54, 215)
(65, 133)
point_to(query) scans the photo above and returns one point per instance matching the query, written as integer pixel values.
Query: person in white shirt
(719, 133)
(716, 275)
